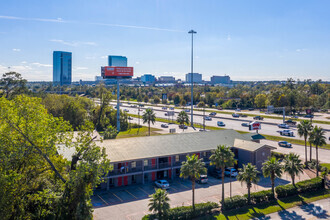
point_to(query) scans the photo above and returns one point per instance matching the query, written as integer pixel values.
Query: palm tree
(293, 166)
(310, 140)
(248, 175)
(318, 139)
(193, 168)
(272, 168)
(149, 116)
(222, 157)
(303, 130)
(159, 203)
(183, 119)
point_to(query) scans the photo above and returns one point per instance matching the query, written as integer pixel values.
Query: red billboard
(255, 125)
(116, 72)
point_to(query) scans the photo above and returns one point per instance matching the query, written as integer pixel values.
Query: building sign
(164, 96)
(116, 72)
(255, 125)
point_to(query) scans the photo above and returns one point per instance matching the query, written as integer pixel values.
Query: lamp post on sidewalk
(192, 32)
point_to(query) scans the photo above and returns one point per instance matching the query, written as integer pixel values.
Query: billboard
(116, 72)
(164, 96)
(255, 125)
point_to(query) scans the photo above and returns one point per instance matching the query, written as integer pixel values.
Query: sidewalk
(315, 210)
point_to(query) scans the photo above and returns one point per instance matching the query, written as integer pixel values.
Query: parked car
(245, 124)
(309, 116)
(221, 124)
(235, 115)
(207, 118)
(231, 171)
(203, 179)
(258, 117)
(284, 144)
(212, 114)
(283, 126)
(183, 126)
(164, 125)
(286, 133)
(162, 184)
(290, 122)
(216, 173)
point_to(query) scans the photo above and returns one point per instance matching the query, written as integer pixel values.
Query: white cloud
(42, 65)
(81, 68)
(74, 43)
(228, 37)
(104, 57)
(23, 62)
(32, 19)
(16, 50)
(137, 62)
(301, 50)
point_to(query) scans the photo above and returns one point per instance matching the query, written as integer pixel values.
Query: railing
(164, 165)
(177, 163)
(124, 170)
(150, 167)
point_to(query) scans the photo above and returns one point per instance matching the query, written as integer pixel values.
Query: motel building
(142, 160)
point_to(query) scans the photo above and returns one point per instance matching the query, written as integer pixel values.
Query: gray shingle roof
(249, 145)
(127, 149)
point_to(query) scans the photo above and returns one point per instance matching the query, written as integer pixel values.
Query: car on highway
(171, 108)
(238, 110)
(212, 114)
(207, 118)
(235, 115)
(164, 125)
(187, 110)
(231, 172)
(245, 124)
(202, 179)
(258, 117)
(183, 126)
(290, 122)
(286, 133)
(221, 124)
(283, 125)
(216, 173)
(163, 184)
(284, 144)
(308, 116)
(130, 118)
(126, 110)
(133, 106)
(201, 130)
(251, 109)
(243, 116)
(164, 108)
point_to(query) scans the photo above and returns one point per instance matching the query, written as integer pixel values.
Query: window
(145, 163)
(177, 158)
(204, 154)
(133, 164)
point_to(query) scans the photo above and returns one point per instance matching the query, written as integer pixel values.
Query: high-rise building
(148, 78)
(117, 61)
(197, 78)
(62, 68)
(220, 80)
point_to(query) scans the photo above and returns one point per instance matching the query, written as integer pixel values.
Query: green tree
(318, 139)
(193, 168)
(222, 157)
(156, 100)
(149, 117)
(248, 175)
(304, 127)
(176, 99)
(159, 203)
(12, 84)
(183, 119)
(146, 99)
(110, 132)
(260, 100)
(272, 168)
(293, 166)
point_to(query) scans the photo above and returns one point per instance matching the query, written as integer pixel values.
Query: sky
(247, 40)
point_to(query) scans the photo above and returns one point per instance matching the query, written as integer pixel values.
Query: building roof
(127, 149)
(249, 145)
(254, 136)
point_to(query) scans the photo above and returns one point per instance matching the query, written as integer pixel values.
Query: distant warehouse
(146, 159)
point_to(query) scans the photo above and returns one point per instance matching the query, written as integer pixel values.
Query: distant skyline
(247, 40)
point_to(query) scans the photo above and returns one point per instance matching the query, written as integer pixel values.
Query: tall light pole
(192, 32)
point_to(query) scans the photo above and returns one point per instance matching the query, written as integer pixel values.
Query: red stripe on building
(120, 180)
(153, 162)
(153, 176)
(199, 155)
(125, 180)
(169, 173)
(169, 160)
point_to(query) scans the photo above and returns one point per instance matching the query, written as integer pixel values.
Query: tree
(260, 100)
(248, 175)
(222, 157)
(156, 100)
(110, 132)
(105, 97)
(146, 99)
(12, 84)
(149, 117)
(293, 166)
(36, 181)
(193, 168)
(318, 139)
(304, 127)
(272, 168)
(176, 99)
(159, 203)
(183, 119)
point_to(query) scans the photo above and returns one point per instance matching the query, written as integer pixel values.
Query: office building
(117, 61)
(220, 80)
(148, 78)
(166, 79)
(197, 78)
(62, 68)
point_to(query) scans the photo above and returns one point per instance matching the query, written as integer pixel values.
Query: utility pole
(118, 108)
(192, 32)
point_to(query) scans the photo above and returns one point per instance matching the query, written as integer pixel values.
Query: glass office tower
(117, 61)
(62, 68)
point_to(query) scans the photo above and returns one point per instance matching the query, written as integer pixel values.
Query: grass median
(138, 132)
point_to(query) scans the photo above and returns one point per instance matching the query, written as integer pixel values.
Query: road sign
(164, 96)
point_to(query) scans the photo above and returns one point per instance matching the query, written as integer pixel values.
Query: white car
(164, 125)
(207, 118)
(283, 125)
(286, 133)
(126, 110)
(231, 171)
(162, 184)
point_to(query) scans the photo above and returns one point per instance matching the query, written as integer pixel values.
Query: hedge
(301, 187)
(261, 196)
(235, 202)
(186, 212)
(277, 155)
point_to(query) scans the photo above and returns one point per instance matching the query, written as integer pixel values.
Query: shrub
(279, 156)
(309, 185)
(261, 196)
(286, 190)
(134, 125)
(186, 212)
(235, 202)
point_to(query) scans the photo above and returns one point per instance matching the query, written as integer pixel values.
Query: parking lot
(131, 202)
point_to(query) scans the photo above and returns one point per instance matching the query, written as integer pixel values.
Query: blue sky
(247, 40)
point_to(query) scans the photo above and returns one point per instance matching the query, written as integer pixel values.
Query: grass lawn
(137, 132)
(327, 165)
(261, 210)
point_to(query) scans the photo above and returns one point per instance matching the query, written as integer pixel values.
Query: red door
(120, 180)
(169, 173)
(125, 180)
(198, 154)
(153, 176)
(169, 160)
(153, 162)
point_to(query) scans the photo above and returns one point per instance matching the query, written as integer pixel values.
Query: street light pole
(192, 32)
